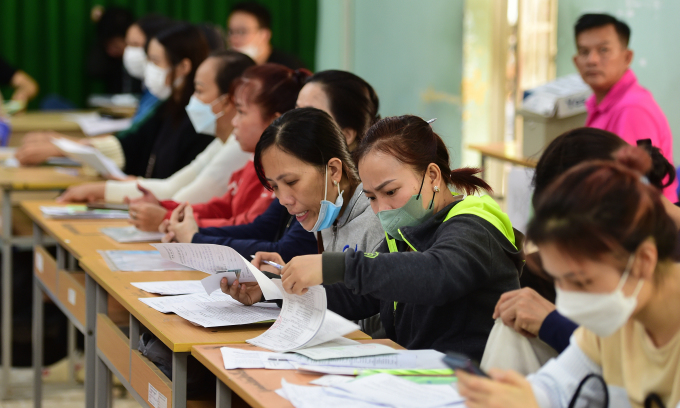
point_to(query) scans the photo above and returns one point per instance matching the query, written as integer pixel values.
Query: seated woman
(211, 112)
(525, 310)
(353, 104)
(446, 260)
(260, 95)
(604, 235)
(165, 141)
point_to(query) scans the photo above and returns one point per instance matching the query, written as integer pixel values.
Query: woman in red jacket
(261, 95)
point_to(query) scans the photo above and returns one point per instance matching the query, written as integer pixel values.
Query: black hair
(353, 102)
(152, 24)
(182, 41)
(214, 35)
(583, 144)
(312, 136)
(255, 9)
(230, 65)
(589, 21)
(113, 23)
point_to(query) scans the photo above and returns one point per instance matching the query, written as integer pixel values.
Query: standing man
(618, 104)
(250, 32)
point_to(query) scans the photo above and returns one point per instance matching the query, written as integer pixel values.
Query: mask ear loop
(420, 191)
(325, 185)
(218, 99)
(626, 273)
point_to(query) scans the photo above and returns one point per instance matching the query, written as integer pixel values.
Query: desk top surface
(504, 151)
(41, 120)
(257, 386)
(40, 178)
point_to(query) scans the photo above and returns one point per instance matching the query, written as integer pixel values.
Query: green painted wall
(410, 51)
(654, 30)
(50, 39)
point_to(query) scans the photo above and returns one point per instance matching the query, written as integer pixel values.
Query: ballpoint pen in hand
(274, 264)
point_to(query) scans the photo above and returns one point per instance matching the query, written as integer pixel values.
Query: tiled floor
(57, 395)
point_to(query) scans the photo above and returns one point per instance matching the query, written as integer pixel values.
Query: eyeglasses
(239, 32)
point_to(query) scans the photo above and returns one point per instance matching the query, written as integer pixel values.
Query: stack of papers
(131, 234)
(183, 287)
(138, 261)
(93, 124)
(165, 304)
(81, 212)
(225, 313)
(380, 390)
(90, 156)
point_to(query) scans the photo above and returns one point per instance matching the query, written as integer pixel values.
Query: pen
(274, 264)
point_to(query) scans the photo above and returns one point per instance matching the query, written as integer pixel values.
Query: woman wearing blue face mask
(210, 111)
(445, 260)
(604, 236)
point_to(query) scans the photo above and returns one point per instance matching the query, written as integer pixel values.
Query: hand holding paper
(301, 273)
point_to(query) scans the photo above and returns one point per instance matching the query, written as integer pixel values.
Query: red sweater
(244, 201)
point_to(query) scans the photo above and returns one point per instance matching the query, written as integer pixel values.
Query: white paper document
(212, 259)
(224, 313)
(183, 287)
(131, 234)
(322, 352)
(236, 358)
(305, 321)
(212, 282)
(90, 156)
(165, 304)
(93, 124)
(138, 261)
(81, 212)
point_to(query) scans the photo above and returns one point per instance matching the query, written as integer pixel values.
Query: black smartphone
(458, 361)
(107, 206)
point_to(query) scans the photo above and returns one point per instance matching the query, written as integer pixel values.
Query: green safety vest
(484, 207)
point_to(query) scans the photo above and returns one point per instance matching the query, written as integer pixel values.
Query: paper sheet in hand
(136, 261)
(212, 282)
(93, 124)
(165, 304)
(211, 259)
(223, 313)
(90, 156)
(131, 234)
(304, 322)
(183, 287)
(81, 212)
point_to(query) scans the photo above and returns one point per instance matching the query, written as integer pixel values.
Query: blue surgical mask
(410, 214)
(201, 115)
(328, 212)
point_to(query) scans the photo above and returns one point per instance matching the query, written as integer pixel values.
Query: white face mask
(601, 313)
(202, 116)
(134, 60)
(154, 80)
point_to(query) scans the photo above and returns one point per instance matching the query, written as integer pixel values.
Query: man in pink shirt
(619, 104)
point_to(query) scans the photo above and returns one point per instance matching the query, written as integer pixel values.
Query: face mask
(154, 80)
(328, 211)
(601, 313)
(250, 50)
(134, 60)
(412, 213)
(201, 115)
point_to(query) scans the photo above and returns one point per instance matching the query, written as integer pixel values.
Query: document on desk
(213, 259)
(93, 124)
(224, 313)
(90, 156)
(69, 212)
(131, 234)
(304, 321)
(138, 261)
(165, 304)
(171, 288)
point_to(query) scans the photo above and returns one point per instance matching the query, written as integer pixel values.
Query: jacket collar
(356, 206)
(614, 95)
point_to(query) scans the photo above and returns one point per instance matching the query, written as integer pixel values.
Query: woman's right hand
(83, 193)
(268, 256)
(246, 293)
(35, 153)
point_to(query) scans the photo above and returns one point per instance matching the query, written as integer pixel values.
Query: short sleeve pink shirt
(630, 111)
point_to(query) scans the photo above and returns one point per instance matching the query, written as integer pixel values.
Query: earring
(436, 189)
(335, 183)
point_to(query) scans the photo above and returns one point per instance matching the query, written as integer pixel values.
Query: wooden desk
(505, 152)
(26, 122)
(21, 180)
(255, 386)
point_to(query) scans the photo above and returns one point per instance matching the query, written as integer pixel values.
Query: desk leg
(102, 373)
(6, 293)
(38, 329)
(179, 380)
(223, 395)
(90, 339)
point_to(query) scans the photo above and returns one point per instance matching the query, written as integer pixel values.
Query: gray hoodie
(358, 227)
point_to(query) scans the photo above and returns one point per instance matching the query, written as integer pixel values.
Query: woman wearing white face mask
(210, 111)
(604, 235)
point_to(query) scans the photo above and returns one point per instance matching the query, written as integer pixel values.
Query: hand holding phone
(458, 361)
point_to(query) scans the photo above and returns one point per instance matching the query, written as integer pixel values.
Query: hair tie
(644, 180)
(431, 120)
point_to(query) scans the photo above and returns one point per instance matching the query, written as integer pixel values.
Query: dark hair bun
(634, 158)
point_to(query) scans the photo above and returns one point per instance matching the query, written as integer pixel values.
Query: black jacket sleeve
(138, 144)
(342, 301)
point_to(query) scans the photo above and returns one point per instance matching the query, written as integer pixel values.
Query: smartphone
(458, 361)
(107, 206)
